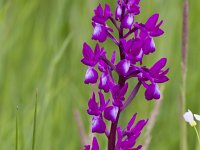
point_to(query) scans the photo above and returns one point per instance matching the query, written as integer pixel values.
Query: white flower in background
(189, 117)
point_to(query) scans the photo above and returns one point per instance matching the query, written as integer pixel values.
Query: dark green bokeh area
(41, 47)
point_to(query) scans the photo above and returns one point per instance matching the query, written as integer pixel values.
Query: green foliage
(41, 44)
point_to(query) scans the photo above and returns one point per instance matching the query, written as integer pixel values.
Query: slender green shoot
(16, 144)
(35, 120)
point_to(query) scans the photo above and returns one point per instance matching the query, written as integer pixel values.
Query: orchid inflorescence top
(135, 40)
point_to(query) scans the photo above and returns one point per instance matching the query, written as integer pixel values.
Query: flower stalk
(197, 133)
(131, 52)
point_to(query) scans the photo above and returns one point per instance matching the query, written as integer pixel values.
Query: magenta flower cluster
(135, 41)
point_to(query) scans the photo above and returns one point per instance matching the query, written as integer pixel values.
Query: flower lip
(98, 125)
(91, 76)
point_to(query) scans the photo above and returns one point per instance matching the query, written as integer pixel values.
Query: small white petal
(130, 20)
(188, 116)
(126, 66)
(119, 11)
(197, 117)
(104, 80)
(97, 30)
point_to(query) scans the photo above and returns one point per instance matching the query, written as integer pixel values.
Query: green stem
(197, 134)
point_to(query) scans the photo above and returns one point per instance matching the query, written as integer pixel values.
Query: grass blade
(16, 145)
(35, 120)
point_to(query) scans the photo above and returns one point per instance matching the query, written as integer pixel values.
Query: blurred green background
(41, 47)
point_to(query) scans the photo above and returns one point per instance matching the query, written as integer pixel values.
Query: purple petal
(99, 10)
(131, 122)
(98, 125)
(110, 113)
(152, 92)
(161, 79)
(123, 90)
(137, 148)
(138, 128)
(104, 83)
(126, 44)
(133, 6)
(95, 145)
(156, 68)
(102, 66)
(127, 21)
(86, 147)
(102, 99)
(87, 54)
(97, 51)
(118, 12)
(99, 33)
(151, 22)
(149, 46)
(140, 56)
(113, 57)
(103, 104)
(118, 94)
(157, 32)
(123, 67)
(119, 137)
(164, 72)
(91, 76)
(107, 12)
(93, 108)
(98, 17)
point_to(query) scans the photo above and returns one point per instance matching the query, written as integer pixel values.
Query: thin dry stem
(183, 143)
(152, 121)
(79, 122)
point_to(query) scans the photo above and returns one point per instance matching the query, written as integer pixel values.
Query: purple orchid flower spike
(135, 41)
(95, 145)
